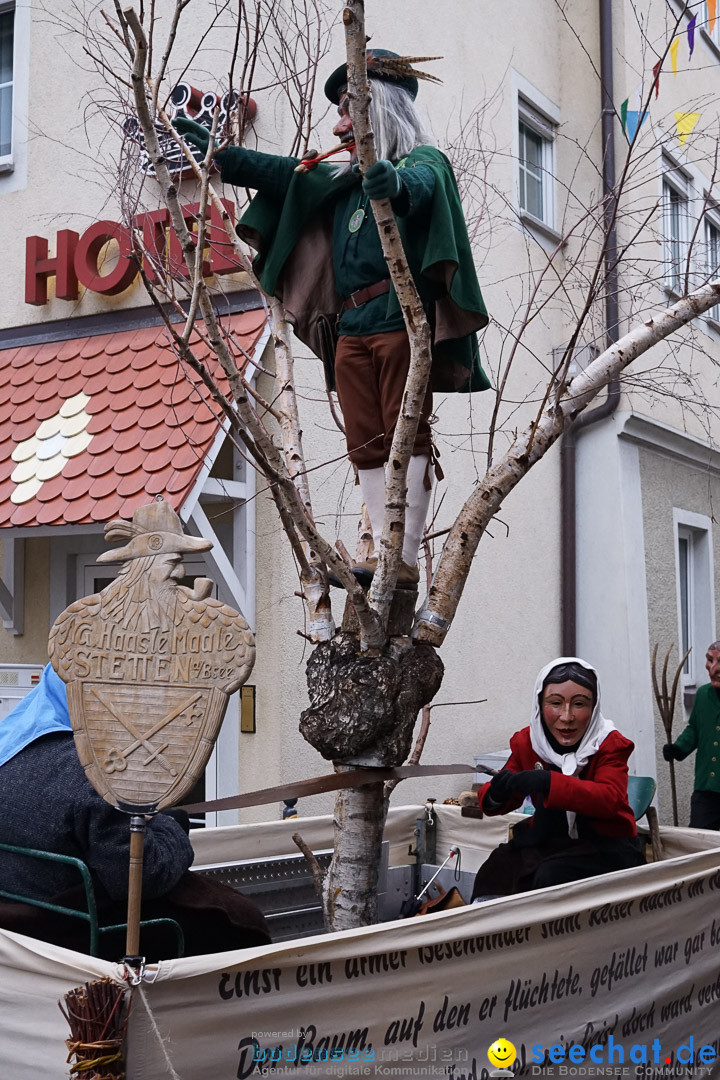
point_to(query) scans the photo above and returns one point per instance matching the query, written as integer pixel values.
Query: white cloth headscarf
(598, 729)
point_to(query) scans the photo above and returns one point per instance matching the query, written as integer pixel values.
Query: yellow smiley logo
(502, 1053)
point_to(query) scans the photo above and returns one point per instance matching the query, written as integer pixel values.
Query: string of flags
(685, 122)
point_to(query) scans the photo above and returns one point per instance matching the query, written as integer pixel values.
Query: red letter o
(88, 250)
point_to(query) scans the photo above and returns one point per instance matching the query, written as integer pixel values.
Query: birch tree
(367, 682)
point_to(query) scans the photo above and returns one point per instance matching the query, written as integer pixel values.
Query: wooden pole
(673, 793)
(137, 840)
(666, 707)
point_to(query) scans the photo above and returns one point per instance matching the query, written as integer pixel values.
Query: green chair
(91, 915)
(641, 792)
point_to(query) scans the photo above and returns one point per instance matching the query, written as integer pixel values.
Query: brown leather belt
(330, 782)
(357, 299)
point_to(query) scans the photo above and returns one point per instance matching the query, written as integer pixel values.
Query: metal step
(284, 890)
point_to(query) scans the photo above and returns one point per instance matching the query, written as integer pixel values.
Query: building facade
(97, 416)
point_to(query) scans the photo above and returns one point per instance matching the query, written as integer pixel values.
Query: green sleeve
(268, 173)
(418, 186)
(687, 740)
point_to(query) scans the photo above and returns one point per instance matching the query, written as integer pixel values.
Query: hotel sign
(79, 259)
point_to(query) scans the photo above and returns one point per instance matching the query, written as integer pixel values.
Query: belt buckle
(352, 298)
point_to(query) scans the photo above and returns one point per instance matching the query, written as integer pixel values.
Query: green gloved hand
(382, 181)
(195, 134)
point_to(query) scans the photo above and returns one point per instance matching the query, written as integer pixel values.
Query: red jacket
(598, 794)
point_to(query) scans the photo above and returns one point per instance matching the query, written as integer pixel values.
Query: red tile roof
(92, 427)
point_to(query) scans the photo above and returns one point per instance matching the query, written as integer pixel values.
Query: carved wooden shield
(149, 666)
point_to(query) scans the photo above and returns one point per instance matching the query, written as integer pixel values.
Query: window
(7, 28)
(712, 252)
(695, 591)
(531, 171)
(685, 586)
(536, 137)
(675, 207)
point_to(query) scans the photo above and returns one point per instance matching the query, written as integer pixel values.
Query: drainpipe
(568, 475)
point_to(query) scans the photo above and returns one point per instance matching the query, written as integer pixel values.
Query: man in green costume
(703, 735)
(319, 252)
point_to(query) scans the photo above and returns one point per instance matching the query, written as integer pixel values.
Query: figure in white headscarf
(572, 763)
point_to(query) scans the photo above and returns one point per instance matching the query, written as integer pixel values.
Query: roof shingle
(94, 426)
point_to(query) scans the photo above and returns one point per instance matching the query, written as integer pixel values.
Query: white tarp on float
(612, 976)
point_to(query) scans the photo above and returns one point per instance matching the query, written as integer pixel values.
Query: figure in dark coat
(47, 803)
(702, 734)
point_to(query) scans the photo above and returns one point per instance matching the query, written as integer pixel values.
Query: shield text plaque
(149, 666)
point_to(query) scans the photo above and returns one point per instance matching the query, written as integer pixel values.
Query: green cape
(293, 238)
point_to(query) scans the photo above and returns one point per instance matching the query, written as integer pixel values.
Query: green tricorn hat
(383, 64)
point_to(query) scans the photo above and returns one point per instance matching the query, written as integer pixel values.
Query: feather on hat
(383, 64)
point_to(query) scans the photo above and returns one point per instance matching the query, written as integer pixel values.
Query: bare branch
(416, 323)
(435, 617)
(315, 868)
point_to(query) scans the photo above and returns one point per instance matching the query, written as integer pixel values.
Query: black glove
(382, 181)
(507, 783)
(671, 752)
(180, 816)
(532, 781)
(196, 134)
(500, 789)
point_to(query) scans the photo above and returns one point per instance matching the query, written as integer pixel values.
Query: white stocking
(418, 503)
(372, 486)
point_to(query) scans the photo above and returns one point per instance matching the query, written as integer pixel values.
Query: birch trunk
(350, 894)
(360, 703)
(438, 610)
(350, 887)
(313, 577)
(418, 330)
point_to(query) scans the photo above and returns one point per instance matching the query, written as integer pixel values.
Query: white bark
(350, 892)
(438, 610)
(418, 330)
(292, 489)
(315, 588)
(350, 887)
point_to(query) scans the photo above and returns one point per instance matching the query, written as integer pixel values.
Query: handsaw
(330, 782)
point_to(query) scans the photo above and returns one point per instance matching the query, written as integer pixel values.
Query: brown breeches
(370, 374)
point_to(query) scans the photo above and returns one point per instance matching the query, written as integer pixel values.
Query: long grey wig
(396, 122)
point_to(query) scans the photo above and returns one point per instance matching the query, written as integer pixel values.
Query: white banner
(614, 976)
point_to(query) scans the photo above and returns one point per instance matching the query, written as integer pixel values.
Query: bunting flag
(634, 122)
(673, 54)
(630, 118)
(685, 122)
(656, 74)
(691, 34)
(711, 12)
